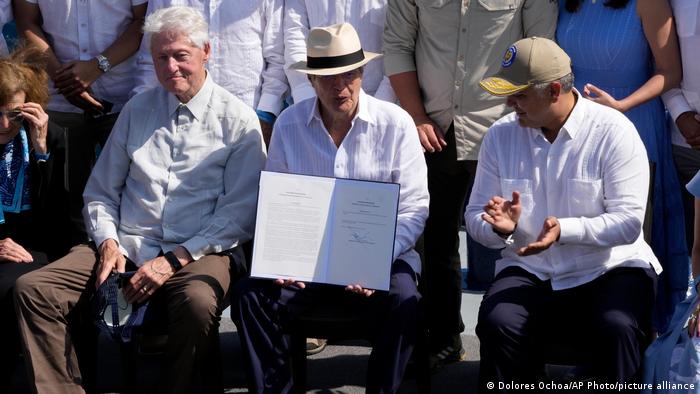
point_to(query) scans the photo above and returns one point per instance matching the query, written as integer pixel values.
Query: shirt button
(83, 24)
(84, 51)
(456, 106)
(464, 30)
(458, 83)
(461, 57)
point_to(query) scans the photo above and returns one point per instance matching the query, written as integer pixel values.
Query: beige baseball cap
(529, 61)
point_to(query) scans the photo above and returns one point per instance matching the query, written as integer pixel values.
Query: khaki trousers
(46, 298)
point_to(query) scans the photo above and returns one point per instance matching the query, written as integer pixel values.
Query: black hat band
(335, 61)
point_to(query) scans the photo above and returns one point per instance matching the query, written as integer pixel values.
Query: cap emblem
(509, 56)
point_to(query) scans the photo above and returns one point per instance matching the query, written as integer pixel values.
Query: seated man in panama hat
(342, 133)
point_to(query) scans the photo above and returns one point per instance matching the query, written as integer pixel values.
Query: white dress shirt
(687, 97)
(594, 178)
(247, 49)
(177, 174)
(81, 30)
(366, 16)
(382, 145)
(5, 16)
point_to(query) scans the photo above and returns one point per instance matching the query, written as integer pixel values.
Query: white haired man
(174, 188)
(349, 134)
(247, 56)
(562, 185)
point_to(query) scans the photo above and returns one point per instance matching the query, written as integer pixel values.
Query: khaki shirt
(452, 45)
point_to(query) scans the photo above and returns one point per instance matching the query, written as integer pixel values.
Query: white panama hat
(333, 50)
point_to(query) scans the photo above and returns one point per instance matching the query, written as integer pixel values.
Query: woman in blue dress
(625, 54)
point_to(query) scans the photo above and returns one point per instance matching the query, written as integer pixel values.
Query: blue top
(609, 50)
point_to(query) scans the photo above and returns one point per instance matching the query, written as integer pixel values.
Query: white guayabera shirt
(81, 30)
(594, 178)
(382, 145)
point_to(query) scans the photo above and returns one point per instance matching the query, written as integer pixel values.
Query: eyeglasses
(14, 115)
(347, 76)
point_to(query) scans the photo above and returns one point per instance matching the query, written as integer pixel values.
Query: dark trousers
(449, 184)
(84, 136)
(9, 272)
(519, 311)
(687, 165)
(261, 310)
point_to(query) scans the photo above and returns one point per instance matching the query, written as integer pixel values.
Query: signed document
(325, 230)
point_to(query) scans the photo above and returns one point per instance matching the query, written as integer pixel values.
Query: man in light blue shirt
(171, 197)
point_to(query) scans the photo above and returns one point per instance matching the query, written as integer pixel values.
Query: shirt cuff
(270, 103)
(676, 103)
(302, 93)
(197, 246)
(398, 63)
(42, 156)
(266, 116)
(99, 237)
(571, 230)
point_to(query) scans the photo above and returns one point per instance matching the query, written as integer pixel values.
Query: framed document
(325, 230)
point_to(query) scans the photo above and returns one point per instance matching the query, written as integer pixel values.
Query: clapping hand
(548, 236)
(502, 214)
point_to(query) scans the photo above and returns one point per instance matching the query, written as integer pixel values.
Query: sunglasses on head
(14, 115)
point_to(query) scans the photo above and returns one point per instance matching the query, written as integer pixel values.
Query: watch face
(103, 63)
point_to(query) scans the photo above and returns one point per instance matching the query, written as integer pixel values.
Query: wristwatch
(173, 261)
(507, 238)
(102, 63)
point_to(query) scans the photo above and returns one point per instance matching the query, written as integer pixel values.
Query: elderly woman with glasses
(28, 208)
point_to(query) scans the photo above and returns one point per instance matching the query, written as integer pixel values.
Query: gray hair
(179, 20)
(567, 83)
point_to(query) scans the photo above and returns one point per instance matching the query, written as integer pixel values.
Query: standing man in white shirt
(172, 196)
(683, 104)
(344, 133)
(89, 45)
(562, 184)
(366, 16)
(247, 52)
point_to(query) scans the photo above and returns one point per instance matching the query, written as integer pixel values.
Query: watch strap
(173, 261)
